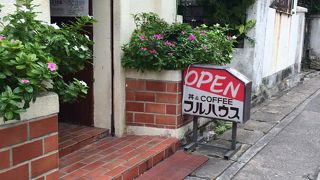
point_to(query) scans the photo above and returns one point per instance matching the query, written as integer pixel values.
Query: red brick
(144, 118)
(129, 117)
(44, 164)
(131, 174)
(13, 135)
(40, 178)
(135, 84)
(158, 158)
(53, 176)
(156, 86)
(26, 152)
(167, 98)
(156, 108)
(166, 120)
(93, 165)
(145, 96)
(179, 87)
(19, 173)
(130, 96)
(43, 126)
(51, 144)
(172, 87)
(171, 109)
(4, 159)
(116, 172)
(134, 106)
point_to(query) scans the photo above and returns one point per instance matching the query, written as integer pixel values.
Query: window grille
(283, 6)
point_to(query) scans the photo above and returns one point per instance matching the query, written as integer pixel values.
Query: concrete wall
(313, 43)
(277, 51)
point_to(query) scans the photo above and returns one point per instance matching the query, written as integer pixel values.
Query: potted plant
(34, 57)
(154, 59)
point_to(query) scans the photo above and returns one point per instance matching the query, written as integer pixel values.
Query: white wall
(314, 44)
(278, 43)
(44, 8)
(124, 26)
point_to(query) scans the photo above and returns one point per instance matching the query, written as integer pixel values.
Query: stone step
(74, 137)
(117, 158)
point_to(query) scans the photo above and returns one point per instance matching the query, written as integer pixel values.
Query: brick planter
(29, 148)
(153, 103)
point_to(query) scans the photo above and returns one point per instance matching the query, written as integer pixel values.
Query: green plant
(34, 57)
(312, 5)
(156, 45)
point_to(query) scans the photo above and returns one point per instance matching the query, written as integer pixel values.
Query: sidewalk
(281, 141)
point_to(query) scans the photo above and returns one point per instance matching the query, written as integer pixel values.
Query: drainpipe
(112, 67)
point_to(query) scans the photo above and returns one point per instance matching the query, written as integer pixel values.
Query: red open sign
(216, 92)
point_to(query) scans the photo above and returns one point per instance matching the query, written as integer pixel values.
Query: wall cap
(45, 105)
(166, 75)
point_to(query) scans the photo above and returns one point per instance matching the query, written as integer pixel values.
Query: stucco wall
(43, 8)
(278, 44)
(123, 27)
(314, 32)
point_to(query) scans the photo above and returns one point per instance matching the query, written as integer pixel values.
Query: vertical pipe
(112, 67)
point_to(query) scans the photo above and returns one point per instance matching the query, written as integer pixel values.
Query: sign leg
(234, 145)
(194, 143)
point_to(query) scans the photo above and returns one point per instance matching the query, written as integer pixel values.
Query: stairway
(101, 157)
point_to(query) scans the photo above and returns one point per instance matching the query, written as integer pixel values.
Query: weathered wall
(277, 51)
(313, 43)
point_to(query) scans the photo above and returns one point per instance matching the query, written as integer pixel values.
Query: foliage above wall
(312, 5)
(156, 45)
(34, 57)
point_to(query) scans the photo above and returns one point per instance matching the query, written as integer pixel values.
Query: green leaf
(2, 76)
(8, 115)
(20, 67)
(29, 89)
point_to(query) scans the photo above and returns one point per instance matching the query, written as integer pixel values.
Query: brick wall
(154, 103)
(29, 149)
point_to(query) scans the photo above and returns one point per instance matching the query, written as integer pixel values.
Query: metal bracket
(196, 140)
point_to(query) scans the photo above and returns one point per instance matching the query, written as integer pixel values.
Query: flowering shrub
(156, 45)
(34, 57)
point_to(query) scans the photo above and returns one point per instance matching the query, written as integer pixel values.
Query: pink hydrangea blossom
(2, 37)
(192, 37)
(157, 36)
(168, 43)
(52, 67)
(25, 81)
(142, 38)
(153, 51)
(204, 47)
(143, 49)
(229, 37)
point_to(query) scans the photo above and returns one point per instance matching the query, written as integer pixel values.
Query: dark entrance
(80, 112)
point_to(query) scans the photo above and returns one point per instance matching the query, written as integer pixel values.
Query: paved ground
(281, 141)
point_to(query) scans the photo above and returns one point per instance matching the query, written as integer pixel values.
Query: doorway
(80, 112)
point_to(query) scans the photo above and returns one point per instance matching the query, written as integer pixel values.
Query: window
(284, 6)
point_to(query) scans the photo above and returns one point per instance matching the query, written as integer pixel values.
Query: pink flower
(157, 36)
(25, 81)
(183, 33)
(168, 43)
(143, 49)
(170, 54)
(192, 37)
(153, 51)
(13, 40)
(203, 32)
(229, 37)
(204, 47)
(2, 37)
(142, 38)
(52, 67)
